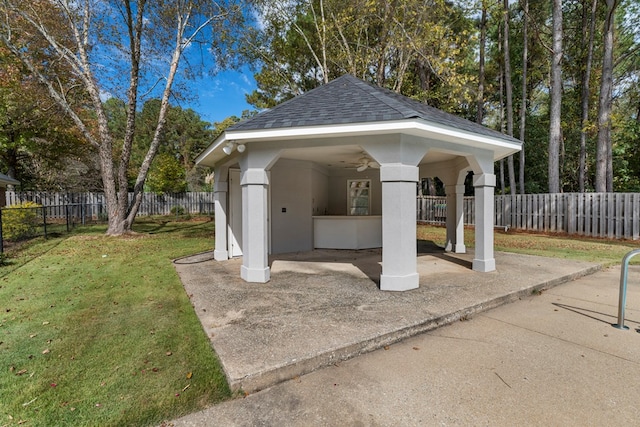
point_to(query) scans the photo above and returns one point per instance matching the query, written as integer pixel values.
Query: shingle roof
(7, 180)
(349, 100)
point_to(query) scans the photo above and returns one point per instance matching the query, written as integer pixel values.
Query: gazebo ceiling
(347, 156)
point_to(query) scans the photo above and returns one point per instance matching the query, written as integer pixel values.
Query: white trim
(419, 128)
(400, 126)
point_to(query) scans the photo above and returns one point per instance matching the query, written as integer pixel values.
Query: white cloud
(105, 95)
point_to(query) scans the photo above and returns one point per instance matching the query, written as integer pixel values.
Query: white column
(455, 219)
(399, 251)
(484, 195)
(220, 192)
(255, 262)
(458, 245)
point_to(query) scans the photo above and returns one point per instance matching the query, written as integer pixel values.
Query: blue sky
(222, 95)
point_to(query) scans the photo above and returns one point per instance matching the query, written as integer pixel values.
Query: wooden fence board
(93, 204)
(611, 215)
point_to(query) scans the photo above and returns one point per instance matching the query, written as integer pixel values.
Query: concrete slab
(323, 307)
(548, 359)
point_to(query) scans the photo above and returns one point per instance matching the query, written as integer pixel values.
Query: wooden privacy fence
(93, 205)
(610, 215)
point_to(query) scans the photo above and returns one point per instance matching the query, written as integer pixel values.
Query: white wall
(300, 189)
(319, 191)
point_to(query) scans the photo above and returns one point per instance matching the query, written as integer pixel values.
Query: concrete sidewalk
(548, 359)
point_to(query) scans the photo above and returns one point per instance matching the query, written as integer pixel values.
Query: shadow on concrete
(585, 312)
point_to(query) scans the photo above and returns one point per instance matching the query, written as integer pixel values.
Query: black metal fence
(27, 217)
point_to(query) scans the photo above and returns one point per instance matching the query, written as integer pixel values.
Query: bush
(177, 210)
(20, 221)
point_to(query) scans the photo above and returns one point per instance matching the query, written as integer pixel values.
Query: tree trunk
(587, 37)
(509, 93)
(483, 45)
(603, 147)
(523, 106)
(556, 100)
(501, 83)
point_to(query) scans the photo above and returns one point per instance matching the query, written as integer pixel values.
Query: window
(358, 191)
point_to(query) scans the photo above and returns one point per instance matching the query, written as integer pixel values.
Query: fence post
(1, 236)
(66, 213)
(44, 220)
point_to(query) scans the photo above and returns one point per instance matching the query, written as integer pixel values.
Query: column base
(399, 283)
(459, 249)
(255, 275)
(484, 266)
(219, 255)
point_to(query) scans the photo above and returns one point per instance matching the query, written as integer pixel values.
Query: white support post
(458, 246)
(484, 194)
(220, 192)
(255, 262)
(399, 250)
(455, 219)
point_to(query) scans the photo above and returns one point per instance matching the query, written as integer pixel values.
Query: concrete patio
(324, 306)
(549, 359)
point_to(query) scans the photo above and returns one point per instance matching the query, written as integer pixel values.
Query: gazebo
(5, 181)
(337, 168)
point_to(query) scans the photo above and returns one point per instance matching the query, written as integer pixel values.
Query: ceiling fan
(366, 163)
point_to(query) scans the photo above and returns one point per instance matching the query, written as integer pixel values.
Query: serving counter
(347, 232)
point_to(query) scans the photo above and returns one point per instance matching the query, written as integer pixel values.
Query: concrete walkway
(548, 359)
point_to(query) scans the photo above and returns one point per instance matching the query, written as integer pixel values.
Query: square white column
(255, 262)
(458, 242)
(484, 196)
(220, 192)
(455, 219)
(399, 249)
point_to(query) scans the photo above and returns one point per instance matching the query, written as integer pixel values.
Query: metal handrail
(623, 288)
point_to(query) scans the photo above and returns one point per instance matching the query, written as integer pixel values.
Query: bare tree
(555, 133)
(588, 31)
(604, 170)
(523, 106)
(78, 31)
(481, 76)
(508, 85)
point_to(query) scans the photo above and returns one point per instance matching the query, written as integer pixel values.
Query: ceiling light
(228, 149)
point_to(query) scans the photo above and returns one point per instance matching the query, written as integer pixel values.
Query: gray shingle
(347, 100)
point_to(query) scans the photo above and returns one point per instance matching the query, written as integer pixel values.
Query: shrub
(177, 210)
(20, 221)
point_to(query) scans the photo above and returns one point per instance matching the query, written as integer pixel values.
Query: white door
(235, 213)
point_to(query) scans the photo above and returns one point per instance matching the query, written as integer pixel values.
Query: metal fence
(56, 213)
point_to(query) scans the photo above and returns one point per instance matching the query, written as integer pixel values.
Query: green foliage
(397, 45)
(21, 220)
(180, 211)
(167, 175)
(37, 144)
(184, 137)
(177, 210)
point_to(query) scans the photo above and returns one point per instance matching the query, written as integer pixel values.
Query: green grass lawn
(98, 330)
(607, 252)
